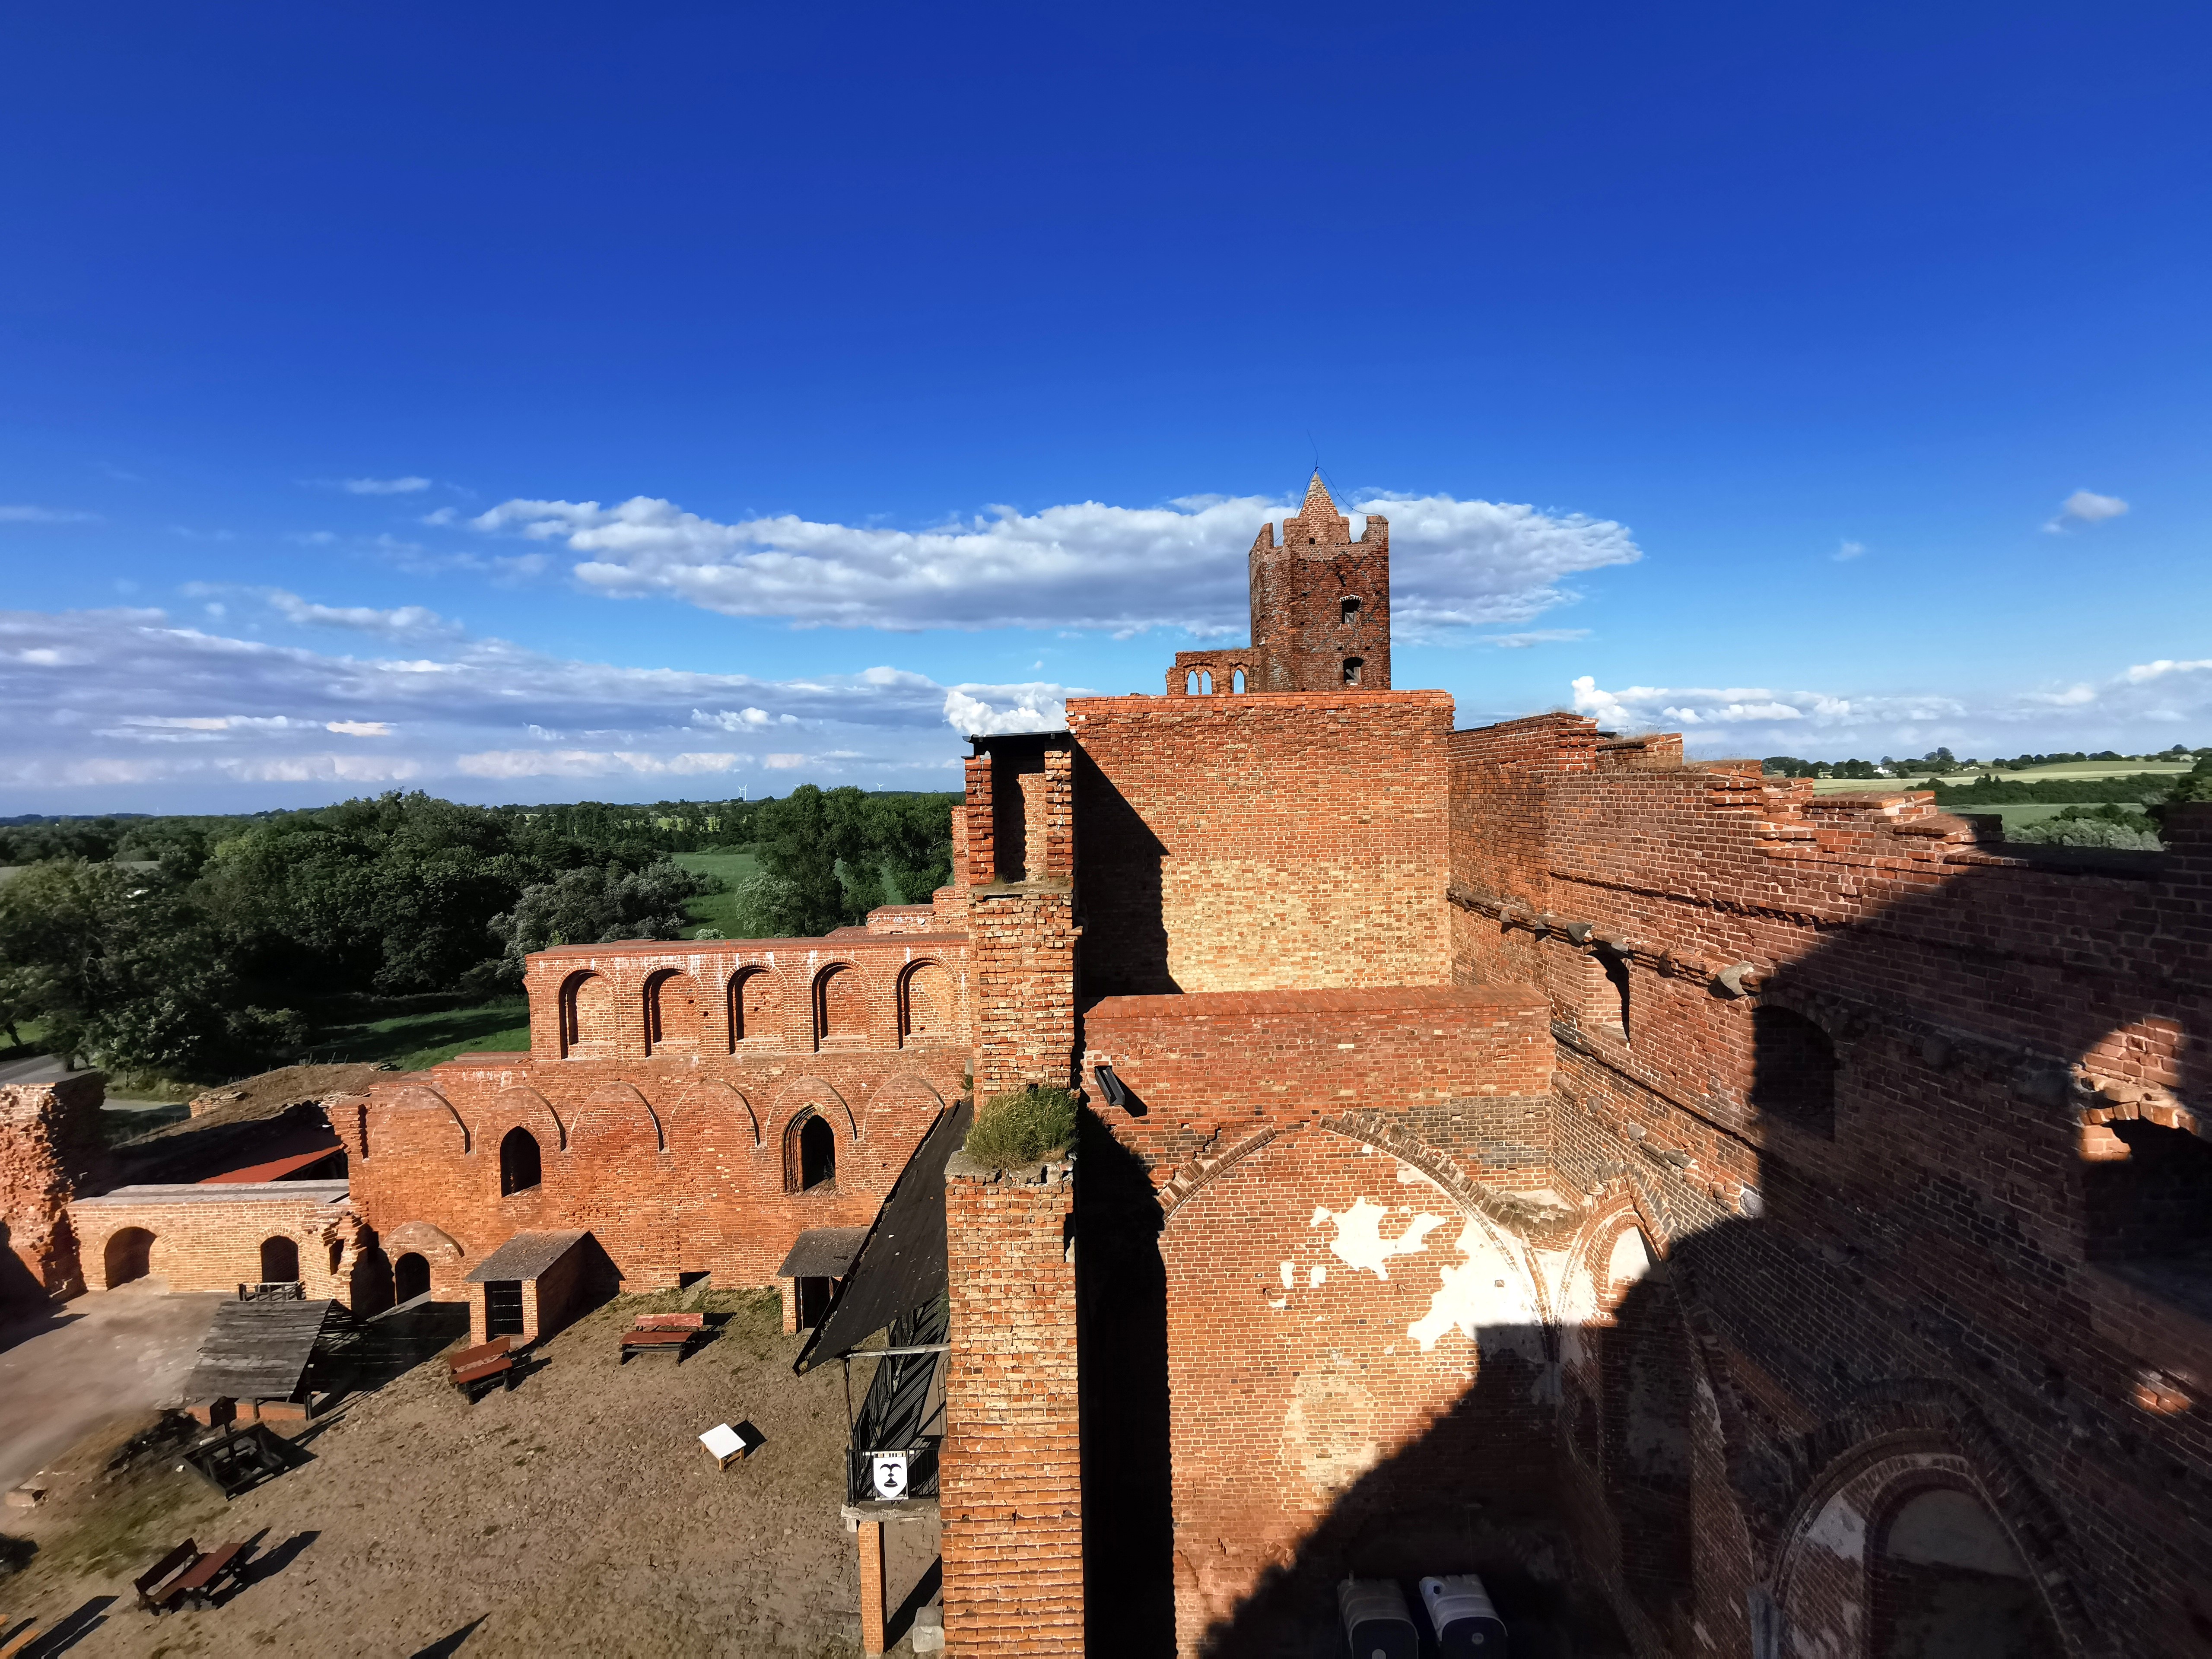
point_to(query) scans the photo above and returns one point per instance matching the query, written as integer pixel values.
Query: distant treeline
(2148, 788)
(1942, 762)
(202, 964)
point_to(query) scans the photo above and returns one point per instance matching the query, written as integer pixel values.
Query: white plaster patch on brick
(1359, 1242)
(1290, 1275)
(1840, 1529)
(1317, 1275)
(1487, 1298)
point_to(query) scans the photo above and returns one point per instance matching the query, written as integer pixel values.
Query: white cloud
(189, 718)
(2092, 713)
(1085, 565)
(1850, 551)
(407, 486)
(1528, 637)
(2085, 507)
(26, 514)
(984, 709)
(402, 621)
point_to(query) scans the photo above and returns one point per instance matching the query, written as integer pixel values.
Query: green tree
(126, 971)
(811, 839)
(595, 905)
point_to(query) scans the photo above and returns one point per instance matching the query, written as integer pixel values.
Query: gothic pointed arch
(616, 1111)
(519, 1103)
(818, 1092)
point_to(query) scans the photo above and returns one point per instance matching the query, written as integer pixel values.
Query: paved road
(106, 1354)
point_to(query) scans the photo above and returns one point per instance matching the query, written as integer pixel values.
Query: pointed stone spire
(1317, 518)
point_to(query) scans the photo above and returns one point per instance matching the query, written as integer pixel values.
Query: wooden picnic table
(652, 1332)
(478, 1368)
(198, 1582)
(157, 1586)
(186, 1572)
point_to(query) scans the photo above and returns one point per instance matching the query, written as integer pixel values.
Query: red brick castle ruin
(1732, 1221)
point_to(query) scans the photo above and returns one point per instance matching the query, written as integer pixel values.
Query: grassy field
(412, 1042)
(717, 911)
(2080, 769)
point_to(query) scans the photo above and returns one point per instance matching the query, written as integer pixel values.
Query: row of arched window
(1199, 682)
(680, 1013)
(810, 1158)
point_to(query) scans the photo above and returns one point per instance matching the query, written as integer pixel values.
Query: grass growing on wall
(1024, 1127)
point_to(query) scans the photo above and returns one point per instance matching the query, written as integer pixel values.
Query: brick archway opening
(128, 1256)
(411, 1276)
(280, 1259)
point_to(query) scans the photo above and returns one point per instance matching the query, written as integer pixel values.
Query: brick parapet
(1010, 1484)
(782, 1004)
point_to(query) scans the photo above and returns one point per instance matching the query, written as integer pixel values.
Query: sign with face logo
(889, 1469)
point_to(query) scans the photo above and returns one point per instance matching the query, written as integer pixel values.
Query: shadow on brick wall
(1917, 1279)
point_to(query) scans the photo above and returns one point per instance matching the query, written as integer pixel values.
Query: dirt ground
(575, 1514)
(110, 1357)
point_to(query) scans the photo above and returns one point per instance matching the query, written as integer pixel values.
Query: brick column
(1010, 1484)
(872, 1588)
(1021, 952)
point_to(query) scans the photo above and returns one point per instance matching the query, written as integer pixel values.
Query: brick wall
(209, 1238)
(50, 1150)
(668, 1130)
(1469, 1070)
(1010, 1490)
(1991, 1012)
(1245, 843)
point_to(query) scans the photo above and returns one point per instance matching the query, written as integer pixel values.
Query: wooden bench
(672, 1331)
(158, 1587)
(475, 1370)
(20, 1641)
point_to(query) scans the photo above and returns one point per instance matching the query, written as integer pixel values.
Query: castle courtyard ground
(576, 1513)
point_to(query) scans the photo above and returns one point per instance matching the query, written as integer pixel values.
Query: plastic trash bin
(1377, 1623)
(1466, 1625)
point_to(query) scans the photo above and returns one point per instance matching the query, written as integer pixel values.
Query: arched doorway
(130, 1255)
(411, 1276)
(810, 1153)
(280, 1261)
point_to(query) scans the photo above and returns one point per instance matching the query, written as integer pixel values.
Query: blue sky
(1728, 369)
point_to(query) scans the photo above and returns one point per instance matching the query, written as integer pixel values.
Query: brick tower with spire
(1321, 601)
(1320, 610)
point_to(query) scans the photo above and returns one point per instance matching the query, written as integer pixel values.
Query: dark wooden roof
(902, 1264)
(823, 1253)
(523, 1256)
(257, 1350)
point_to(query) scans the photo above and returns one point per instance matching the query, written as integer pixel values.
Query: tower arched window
(1352, 667)
(1349, 612)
